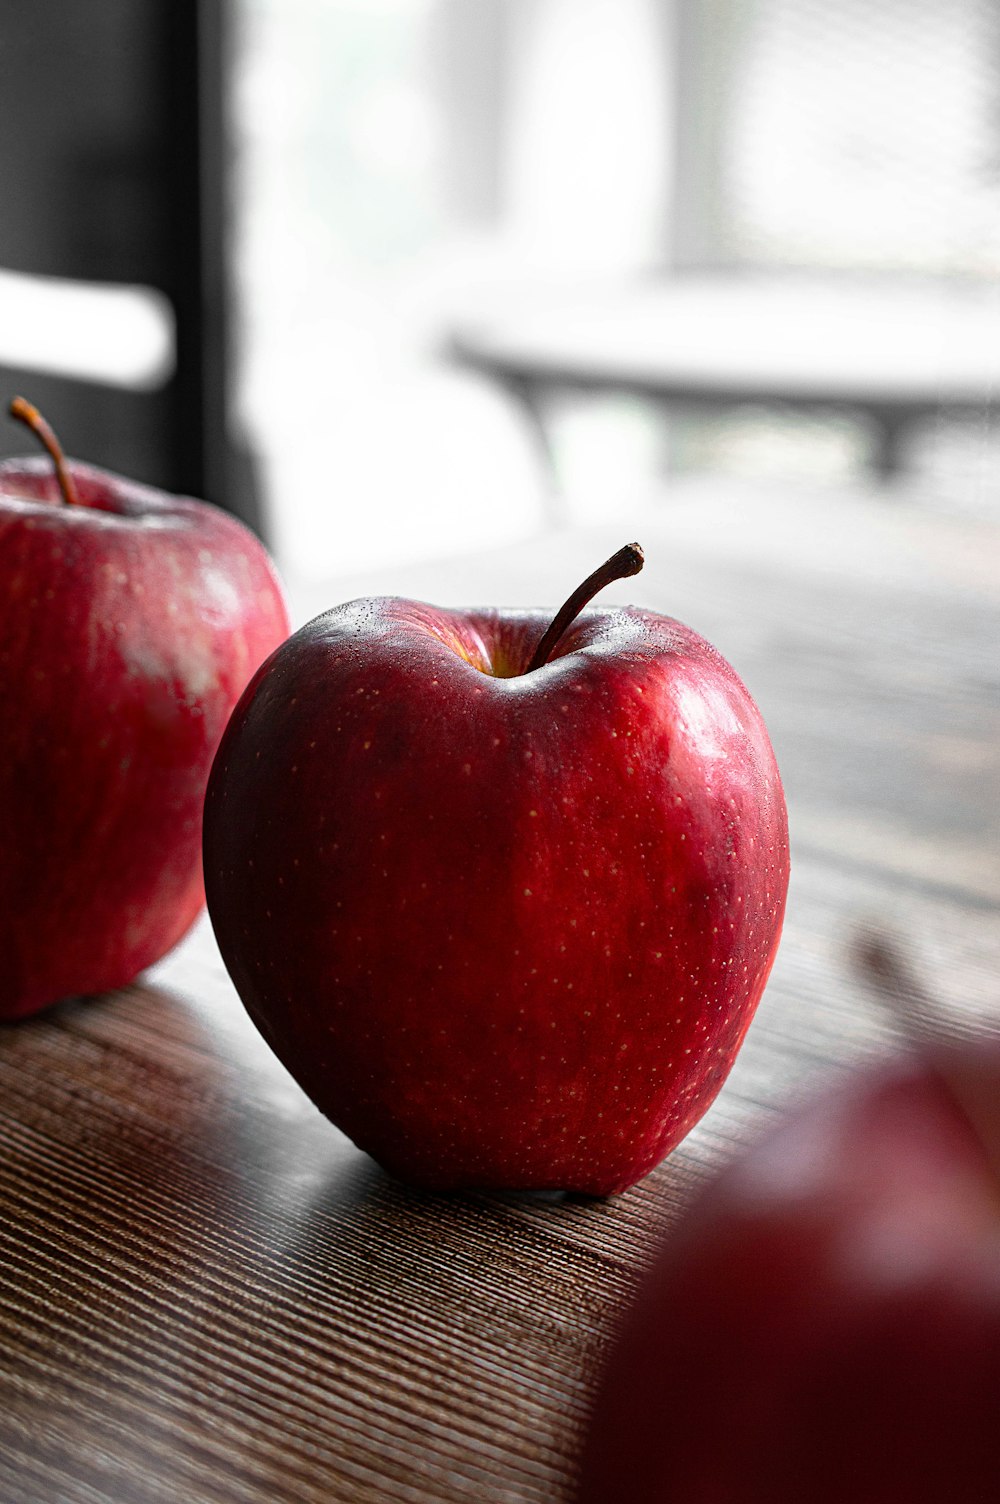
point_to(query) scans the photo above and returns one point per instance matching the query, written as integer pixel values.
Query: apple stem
(926, 1028)
(27, 413)
(627, 561)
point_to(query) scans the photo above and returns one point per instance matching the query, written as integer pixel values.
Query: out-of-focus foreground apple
(824, 1326)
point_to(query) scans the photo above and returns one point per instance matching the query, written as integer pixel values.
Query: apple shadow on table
(112, 1121)
(217, 1218)
(128, 1081)
(403, 1235)
(487, 1295)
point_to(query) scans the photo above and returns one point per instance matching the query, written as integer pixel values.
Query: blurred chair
(113, 158)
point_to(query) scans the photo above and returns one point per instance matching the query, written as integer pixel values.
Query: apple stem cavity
(28, 414)
(627, 561)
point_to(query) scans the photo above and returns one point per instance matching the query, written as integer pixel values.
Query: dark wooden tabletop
(207, 1295)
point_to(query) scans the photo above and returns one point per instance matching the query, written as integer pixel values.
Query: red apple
(503, 900)
(824, 1326)
(130, 622)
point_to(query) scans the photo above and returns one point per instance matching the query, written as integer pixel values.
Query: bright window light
(123, 336)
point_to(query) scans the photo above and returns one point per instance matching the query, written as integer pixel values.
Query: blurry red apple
(825, 1324)
(130, 621)
(502, 899)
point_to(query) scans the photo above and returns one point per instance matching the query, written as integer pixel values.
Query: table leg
(888, 456)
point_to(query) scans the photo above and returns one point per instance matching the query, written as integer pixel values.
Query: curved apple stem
(27, 413)
(925, 1026)
(627, 561)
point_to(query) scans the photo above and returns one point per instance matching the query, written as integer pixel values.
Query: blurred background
(399, 278)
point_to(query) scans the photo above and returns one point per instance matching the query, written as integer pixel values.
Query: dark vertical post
(198, 50)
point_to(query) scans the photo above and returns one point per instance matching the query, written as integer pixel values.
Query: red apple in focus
(825, 1324)
(502, 899)
(130, 622)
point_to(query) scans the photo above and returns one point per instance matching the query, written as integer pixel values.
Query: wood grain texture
(207, 1295)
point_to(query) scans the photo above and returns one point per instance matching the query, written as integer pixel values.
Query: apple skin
(505, 929)
(129, 625)
(824, 1324)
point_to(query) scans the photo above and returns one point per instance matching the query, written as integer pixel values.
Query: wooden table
(207, 1296)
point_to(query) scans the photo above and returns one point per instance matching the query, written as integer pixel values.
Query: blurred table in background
(207, 1295)
(889, 351)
